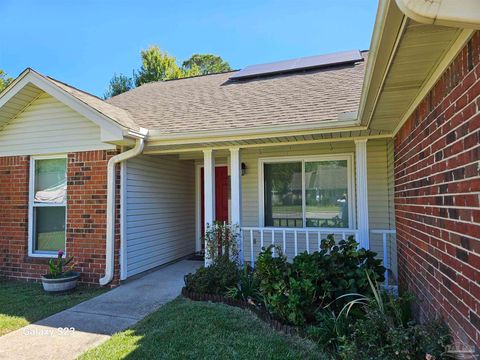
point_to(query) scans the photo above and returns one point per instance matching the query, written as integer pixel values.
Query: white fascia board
(157, 136)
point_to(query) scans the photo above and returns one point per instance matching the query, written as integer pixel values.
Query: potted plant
(61, 276)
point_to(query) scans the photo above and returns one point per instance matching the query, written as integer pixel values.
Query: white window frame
(32, 205)
(349, 157)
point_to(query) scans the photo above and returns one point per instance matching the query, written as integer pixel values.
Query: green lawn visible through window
(53, 241)
(22, 303)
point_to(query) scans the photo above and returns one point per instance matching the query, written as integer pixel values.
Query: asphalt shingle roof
(117, 114)
(213, 102)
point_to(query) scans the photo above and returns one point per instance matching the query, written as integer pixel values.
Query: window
(47, 205)
(311, 192)
(283, 194)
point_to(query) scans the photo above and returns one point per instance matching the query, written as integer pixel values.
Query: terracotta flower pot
(66, 283)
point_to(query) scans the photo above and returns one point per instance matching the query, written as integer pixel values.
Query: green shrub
(247, 288)
(214, 279)
(382, 329)
(295, 292)
(328, 330)
(377, 337)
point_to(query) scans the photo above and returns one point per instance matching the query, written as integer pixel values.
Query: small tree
(156, 66)
(118, 84)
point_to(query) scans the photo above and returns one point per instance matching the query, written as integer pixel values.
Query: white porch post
(209, 193)
(362, 192)
(236, 193)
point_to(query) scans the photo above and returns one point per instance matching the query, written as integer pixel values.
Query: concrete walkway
(95, 320)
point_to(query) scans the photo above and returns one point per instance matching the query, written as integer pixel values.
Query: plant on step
(216, 279)
(295, 292)
(247, 288)
(60, 267)
(221, 239)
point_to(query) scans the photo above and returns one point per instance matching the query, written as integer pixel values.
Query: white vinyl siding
(48, 126)
(377, 173)
(380, 197)
(160, 211)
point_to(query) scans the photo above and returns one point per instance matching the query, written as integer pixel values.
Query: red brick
(87, 179)
(439, 170)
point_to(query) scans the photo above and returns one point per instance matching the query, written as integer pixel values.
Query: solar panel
(310, 62)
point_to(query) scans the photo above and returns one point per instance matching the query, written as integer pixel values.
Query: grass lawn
(184, 329)
(22, 303)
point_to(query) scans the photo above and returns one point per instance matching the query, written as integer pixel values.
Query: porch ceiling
(405, 58)
(199, 144)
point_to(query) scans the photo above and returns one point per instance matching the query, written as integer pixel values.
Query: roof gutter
(110, 238)
(454, 13)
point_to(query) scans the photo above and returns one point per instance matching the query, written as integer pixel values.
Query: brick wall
(86, 212)
(86, 216)
(437, 195)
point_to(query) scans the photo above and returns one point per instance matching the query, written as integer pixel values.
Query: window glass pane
(283, 194)
(50, 180)
(49, 228)
(326, 192)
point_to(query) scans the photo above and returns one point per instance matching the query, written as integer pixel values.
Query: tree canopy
(119, 84)
(158, 65)
(4, 80)
(203, 64)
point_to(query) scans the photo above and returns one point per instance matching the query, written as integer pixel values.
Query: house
(383, 146)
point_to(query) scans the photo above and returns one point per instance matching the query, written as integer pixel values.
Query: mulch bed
(260, 312)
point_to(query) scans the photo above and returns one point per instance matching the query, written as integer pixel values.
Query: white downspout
(454, 13)
(110, 240)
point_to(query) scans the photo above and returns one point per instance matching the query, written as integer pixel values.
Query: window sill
(45, 255)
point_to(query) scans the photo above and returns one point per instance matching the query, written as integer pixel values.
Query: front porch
(289, 195)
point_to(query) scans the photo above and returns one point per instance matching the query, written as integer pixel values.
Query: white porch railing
(293, 241)
(388, 248)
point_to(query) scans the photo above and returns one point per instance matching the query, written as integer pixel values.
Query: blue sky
(84, 42)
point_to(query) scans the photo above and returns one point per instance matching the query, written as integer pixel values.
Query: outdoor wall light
(244, 168)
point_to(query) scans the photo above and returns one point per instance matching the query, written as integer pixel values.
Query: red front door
(221, 195)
